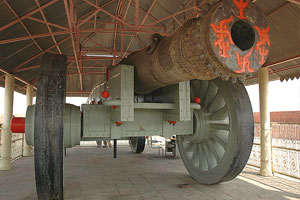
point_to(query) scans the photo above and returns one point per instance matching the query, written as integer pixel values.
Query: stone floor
(91, 173)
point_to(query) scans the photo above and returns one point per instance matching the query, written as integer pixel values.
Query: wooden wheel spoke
(213, 150)
(195, 154)
(213, 100)
(203, 90)
(221, 114)
(216, 103)
(190, 147)
(195, 88)
(202, 159)
(217, 126)
(206, 152)
(219, 141)
(211, 92)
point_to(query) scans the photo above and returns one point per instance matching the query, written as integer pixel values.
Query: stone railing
(17, 143)
(285, 144)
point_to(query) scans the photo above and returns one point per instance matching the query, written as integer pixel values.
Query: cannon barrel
(229, 39)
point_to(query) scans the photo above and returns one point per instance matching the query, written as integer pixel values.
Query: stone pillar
(29, 96)
(265, 136)
(5, 162)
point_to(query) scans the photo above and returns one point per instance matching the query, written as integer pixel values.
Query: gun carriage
(187, 84)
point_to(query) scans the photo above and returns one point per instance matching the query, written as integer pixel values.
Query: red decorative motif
(244, 62)
(263, 52)
(197, 100)
(241, 5)
(223, 35)
(105, 94)
(172, 122)
(261, 44)
(118, 123)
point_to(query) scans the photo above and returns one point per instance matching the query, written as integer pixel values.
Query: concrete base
(91, 173)
(266, 168)
(264, 172)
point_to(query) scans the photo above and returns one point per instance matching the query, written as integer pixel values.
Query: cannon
(188, 84)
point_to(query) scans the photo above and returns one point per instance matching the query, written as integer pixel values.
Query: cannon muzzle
(229, 39)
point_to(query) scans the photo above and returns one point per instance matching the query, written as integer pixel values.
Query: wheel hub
(201, 125)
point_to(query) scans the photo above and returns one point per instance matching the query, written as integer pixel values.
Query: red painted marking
(114, 107)
(263, 53)
(119, 123)
(105, 94)
(263, 36)
(244, 62)
(263, 41)
(223, 35)
(172, 122)
(197, 100)
(241, 5)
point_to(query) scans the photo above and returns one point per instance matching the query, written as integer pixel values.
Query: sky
(283, 96)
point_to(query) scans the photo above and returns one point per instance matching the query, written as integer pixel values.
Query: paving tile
(91, 173)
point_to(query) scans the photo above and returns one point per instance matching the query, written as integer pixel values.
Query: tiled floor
(91, 173)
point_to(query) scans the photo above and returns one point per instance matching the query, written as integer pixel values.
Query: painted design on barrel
(263, 41)
(223, 35)
(244, 62)
(241, 6)
(238, 60)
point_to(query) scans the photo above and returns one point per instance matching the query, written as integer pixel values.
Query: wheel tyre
(48, 127)
(223, 132)
(137, 144)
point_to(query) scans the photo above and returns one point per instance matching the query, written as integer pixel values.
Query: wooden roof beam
(23, 25)
(15, 69)
(108, 13)
(72, 27)
(27, 15)
(48, 27)
(92, 13)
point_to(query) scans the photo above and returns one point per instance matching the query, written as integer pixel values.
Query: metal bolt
(242, 78)
(208, 65)
(233, 79)
(225, 77)
(216, 73)
(249, 75)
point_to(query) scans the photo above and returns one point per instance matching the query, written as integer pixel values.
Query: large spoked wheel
(137, 144)
(223, 132)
